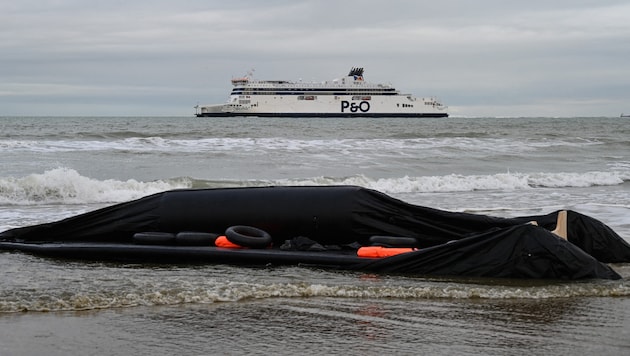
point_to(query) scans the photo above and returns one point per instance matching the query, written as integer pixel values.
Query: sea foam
(198, 292)
(464, 183)
(67, 186)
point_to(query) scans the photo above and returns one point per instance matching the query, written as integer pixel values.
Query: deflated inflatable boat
(333, 227)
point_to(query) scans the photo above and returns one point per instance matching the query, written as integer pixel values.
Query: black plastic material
(393, 241)
(154, 238)
(195, 238)
(340, 215)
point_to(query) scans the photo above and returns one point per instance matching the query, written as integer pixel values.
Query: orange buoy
(222, 241)
(380, 251)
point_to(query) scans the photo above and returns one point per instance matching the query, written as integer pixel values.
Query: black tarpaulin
(343, 215)
(520, 251)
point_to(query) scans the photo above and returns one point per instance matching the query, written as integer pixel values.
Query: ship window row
(319, 92)
(325, 90)
(315, 89)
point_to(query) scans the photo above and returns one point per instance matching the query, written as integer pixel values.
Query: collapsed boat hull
(454, 244)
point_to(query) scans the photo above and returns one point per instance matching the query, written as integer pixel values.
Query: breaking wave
(144, 144)
(67, 186)
(464, 183)
(187, 292)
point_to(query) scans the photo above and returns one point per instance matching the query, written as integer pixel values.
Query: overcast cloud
(482, 58)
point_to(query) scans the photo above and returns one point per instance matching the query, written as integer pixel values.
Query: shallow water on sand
(331, 325)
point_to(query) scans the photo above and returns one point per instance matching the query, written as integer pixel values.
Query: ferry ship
(349, 96)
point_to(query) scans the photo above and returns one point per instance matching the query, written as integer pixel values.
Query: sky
(160, 58)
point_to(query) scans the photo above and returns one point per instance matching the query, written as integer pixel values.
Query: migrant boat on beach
(336, 227)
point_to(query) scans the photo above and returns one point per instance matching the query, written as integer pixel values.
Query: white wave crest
(67, 186)
(466, 183)
(196, 293)
(446, 145)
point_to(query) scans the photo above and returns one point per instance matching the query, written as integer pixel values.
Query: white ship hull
(296, 99)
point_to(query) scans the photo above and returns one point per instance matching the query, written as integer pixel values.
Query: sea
(56, 167)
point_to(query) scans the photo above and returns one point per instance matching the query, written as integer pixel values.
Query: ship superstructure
(346, 97)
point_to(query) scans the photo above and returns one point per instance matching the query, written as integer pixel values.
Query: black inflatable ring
(393, 241)
(248, 236)
(153, 238)
(195, 238)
